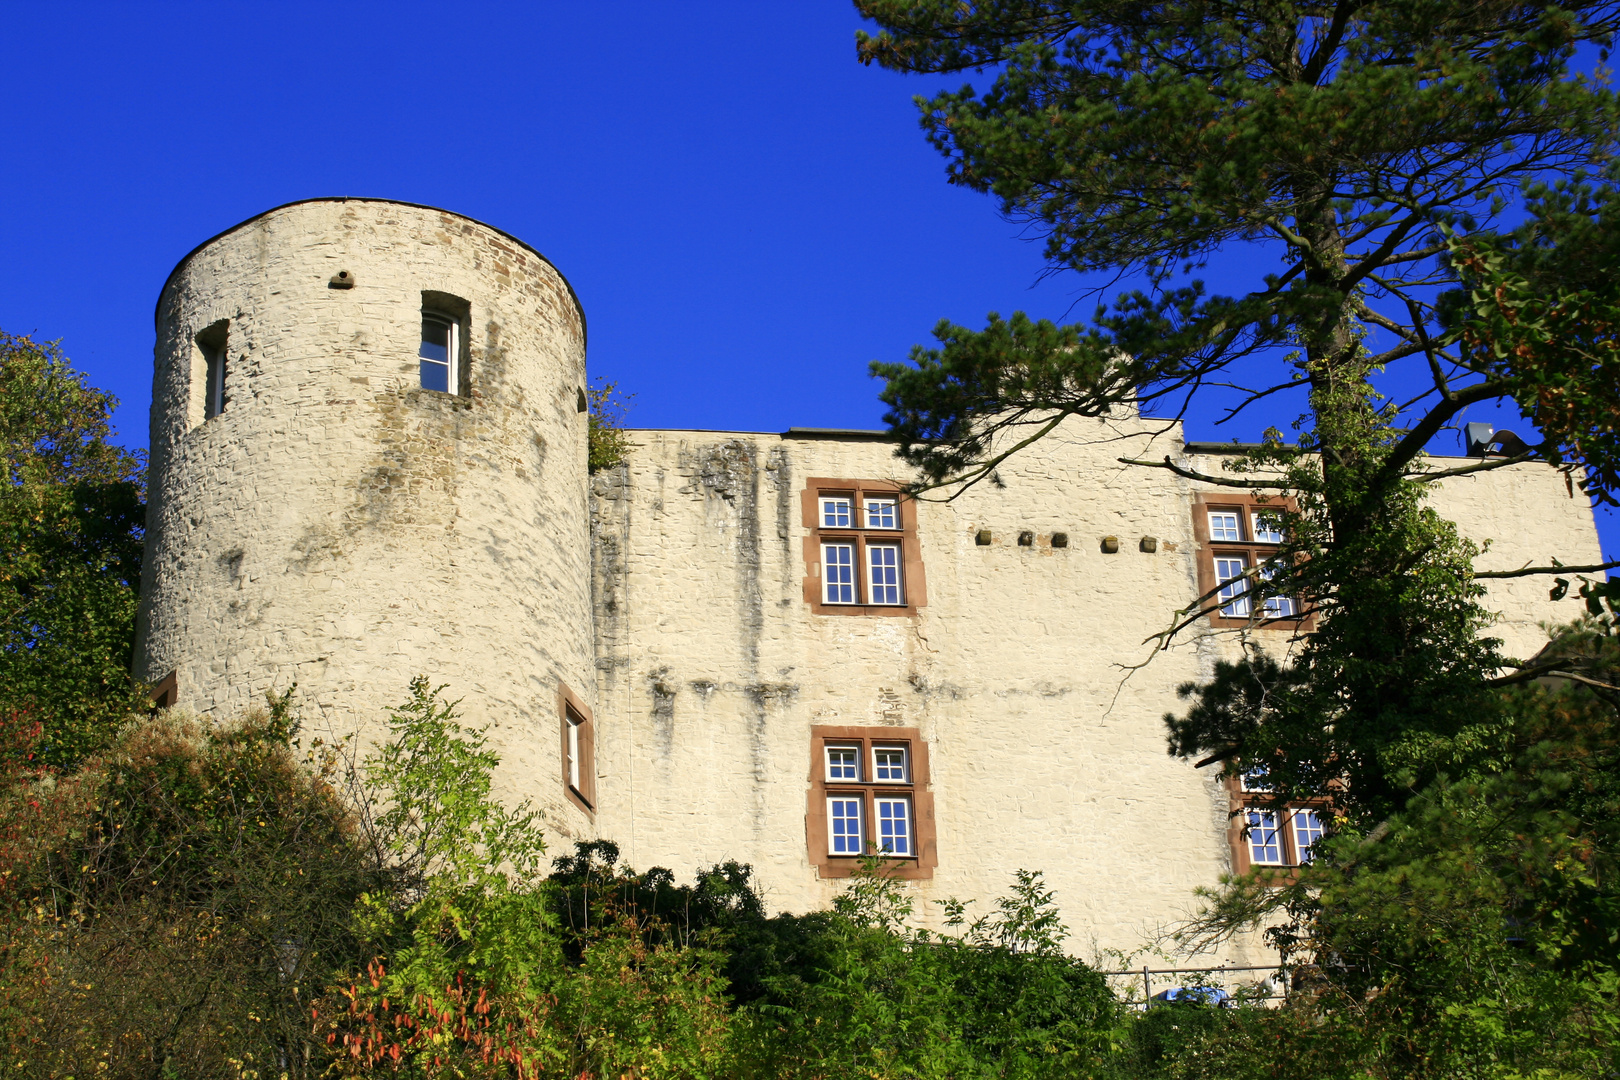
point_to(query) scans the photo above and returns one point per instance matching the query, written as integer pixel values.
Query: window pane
(889, 763)
(1223, 525)
(573, 755)
(1265, 842)
(1234, 594)
(842, 763)
(882, 514)
(1267, 529)
(1277, 607)
(435, 376)
(1307, 831)
(1255, 779)
(836, 513)
(844, 826)
(894, 826)
(883, 564)
(435, 339)
(838, 573)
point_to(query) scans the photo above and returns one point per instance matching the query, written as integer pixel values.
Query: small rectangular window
(883, 563)
(1234, 594)
(213, 343)
(1257, 779)
(882, 514)
(838, 572)
(894, 826)
(889, 764)
(1223, 525)
(1307, 831)
(1265, 839)
(843, 763)
(440, 353)
(1267, 528)
(844, 825)
(1277, 607)
(836, 513)
(578, 750)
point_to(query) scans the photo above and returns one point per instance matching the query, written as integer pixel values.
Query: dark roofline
(157, 312)
(869, 434)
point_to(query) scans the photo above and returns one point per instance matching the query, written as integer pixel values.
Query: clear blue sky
(748, 215)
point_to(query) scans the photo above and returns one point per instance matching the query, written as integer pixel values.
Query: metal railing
(1146, 974)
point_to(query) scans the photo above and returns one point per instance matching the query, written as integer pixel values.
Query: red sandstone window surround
(869, 794)
(861, 555)
(578, 750)
(1237, 539)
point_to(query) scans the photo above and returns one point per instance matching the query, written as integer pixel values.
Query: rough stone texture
(341, 528)
(1047, 749)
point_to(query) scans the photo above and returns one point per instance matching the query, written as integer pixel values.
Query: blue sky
(747, 214)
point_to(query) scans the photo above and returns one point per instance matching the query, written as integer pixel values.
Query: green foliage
(608, 442)
(71, 520)
(1473, 932)
(178, 903)
(875, 997)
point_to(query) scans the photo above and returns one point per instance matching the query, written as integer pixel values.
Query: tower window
(869, 795)
(440, 353)
(211, 346)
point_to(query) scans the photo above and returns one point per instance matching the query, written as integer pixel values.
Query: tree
(71, 526)
(1416, 173)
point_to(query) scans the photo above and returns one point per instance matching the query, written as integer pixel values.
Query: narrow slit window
(1265, 839)
(894, 826)
(440, 353)
(838, 572)
(1234, 593)
(883, 562)
(843, 763)
(889, 764)
(1307, 831)
(1223, 525)
(882, 514)
(212, 343)
(844, 825)
(573, 754)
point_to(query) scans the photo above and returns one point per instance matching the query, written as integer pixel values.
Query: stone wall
(1028, 671)
(339, 527)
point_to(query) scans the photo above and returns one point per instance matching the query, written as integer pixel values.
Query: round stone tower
(368, 462)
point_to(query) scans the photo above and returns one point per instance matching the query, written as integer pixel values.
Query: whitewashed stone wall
(340, 528)
(1025, 670)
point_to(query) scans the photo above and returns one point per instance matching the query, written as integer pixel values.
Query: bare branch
(1527, 571)
(1190, 474)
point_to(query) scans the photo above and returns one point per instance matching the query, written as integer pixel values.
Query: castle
(368, 462)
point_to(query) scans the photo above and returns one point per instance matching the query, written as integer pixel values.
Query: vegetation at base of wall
(71, 526)
(234, 900)
(608, 442)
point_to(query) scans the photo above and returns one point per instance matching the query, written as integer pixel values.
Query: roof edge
(584, 333)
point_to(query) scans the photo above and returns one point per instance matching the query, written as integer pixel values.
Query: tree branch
(1190, 474)
(1526, 571)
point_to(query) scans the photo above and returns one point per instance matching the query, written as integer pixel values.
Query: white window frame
(855, 759)
(1233, 597)
(877, 770)
(893, 512)
(1262, 821)
(828, 502)
(872, 572)
(1218, 535)
(1277, 607)
(573, 753)
(833, 836)
(1305, 837)
(452, 378)
(1261, 532)
(827, 582)
(880, 804)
